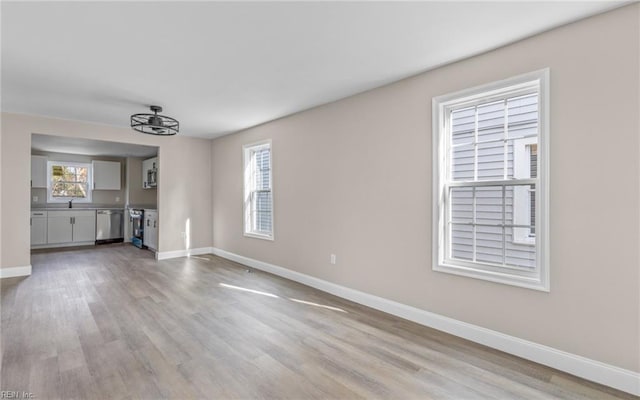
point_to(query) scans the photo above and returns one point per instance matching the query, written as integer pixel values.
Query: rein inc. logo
(13, 394)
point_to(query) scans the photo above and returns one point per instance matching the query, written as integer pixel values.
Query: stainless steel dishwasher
(109, 226)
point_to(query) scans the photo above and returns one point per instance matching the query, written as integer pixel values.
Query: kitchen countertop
(75, 208)
(143, 206)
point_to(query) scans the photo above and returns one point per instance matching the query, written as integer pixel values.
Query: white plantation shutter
(258, 193)
(262, 190)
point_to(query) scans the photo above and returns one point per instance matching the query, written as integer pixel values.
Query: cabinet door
(146, 235)
(154, 231)
(59, 229)
(146, 165)
(84, 227)
(151, 229)
(38, 171)
(106, 175)
(38, 230)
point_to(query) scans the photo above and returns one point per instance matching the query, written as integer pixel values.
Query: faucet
(71, 203)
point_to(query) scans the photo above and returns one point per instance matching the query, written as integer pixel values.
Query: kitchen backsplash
(100, 198)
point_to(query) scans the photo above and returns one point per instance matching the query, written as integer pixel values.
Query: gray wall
(136, 195)
(354, 178)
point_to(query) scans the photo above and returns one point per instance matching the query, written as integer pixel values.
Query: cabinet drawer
(84, 213)
(53, 214)
(72, 213)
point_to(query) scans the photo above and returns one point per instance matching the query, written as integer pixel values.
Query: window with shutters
(258, 195)
(490, 182)
(68, 181)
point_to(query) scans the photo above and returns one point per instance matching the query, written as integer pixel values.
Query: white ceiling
(222, 67)
(87, 147)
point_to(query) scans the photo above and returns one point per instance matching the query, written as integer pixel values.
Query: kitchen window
(258, 195)
(68, 181)
(490, 217)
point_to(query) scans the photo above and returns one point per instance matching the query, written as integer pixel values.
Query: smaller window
(68, 181)
(258, 196)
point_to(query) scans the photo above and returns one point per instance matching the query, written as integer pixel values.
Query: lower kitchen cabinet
(59, 227)
(38, 227)
(73, 227)
(150, 236)
(84, 227)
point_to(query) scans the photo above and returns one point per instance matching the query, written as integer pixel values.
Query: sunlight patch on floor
(309, 303)
(200, 258)
(249, 290)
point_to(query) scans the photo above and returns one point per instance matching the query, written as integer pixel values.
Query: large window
(68, 181)
(258, 197)
(490, 182)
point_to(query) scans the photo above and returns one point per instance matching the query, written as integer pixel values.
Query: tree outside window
(69, 181)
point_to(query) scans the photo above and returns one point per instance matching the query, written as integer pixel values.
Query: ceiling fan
(155, 124)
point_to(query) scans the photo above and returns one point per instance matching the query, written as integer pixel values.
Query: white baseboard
(12, 272)
(60, 245)
(165, 255)
(596, 371)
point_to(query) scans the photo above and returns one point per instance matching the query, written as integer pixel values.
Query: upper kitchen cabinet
(106, 175)
(38, 171)
(150, 173)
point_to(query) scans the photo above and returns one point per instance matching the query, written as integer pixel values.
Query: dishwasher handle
(109, 212)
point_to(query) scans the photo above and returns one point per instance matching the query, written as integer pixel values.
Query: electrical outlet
(117, 199)
(35, 199)
(332, 259)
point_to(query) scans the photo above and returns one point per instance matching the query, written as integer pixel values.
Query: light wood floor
(111, 322)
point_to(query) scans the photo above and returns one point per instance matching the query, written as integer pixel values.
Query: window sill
(258, 236)
(75, 201)
(528, 282)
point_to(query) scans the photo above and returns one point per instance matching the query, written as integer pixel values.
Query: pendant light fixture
(154, 124)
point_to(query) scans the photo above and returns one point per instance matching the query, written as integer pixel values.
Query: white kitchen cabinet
(149, 177)
(150, 236)
(59, 227)
(38, 228)
(106, 175)
(73, 227)
(38, 171)
(84, 226)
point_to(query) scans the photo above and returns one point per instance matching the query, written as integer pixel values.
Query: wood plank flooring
(110, 322)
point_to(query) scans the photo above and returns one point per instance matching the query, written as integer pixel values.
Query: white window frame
(247, 151)
(521, 208)
(538, 278)
(52, 199)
